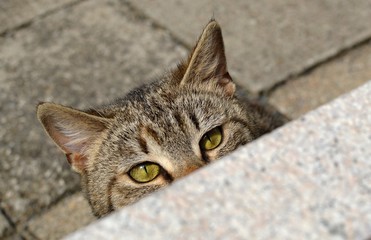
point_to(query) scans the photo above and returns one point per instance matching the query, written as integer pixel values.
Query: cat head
(157, 133)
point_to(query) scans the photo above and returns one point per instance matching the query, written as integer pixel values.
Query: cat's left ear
(75, 132)
(208, 62)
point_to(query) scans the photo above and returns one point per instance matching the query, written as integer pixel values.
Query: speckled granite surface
(310, 179)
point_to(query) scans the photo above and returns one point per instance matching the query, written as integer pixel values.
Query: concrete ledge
(311, 179)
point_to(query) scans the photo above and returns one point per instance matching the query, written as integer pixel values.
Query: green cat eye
(145, 172)
(211, 139)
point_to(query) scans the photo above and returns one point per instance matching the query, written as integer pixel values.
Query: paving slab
(324, 83)
(80, 56)
(16, 237)
(267, 41)
(14, 13)
(67, 216)
(310, 179)
(5, 227)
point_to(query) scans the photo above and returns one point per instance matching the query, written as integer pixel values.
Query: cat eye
(144, 172)
(211, 139)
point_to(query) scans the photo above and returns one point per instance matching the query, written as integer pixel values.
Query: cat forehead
(172, 118)
(157, 108)
(171, 129)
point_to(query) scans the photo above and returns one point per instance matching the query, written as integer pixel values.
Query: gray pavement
(17, 13)
(83, 53)
(4, 225)
(275, 39)
(73, 210)
(319, 86)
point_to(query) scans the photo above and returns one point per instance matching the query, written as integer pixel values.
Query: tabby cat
(159, 132)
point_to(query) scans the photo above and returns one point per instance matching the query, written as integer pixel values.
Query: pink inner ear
(73, 142)
(74, 152)
(77, 161)
(59, 138)
(70, 141)
(227, 83)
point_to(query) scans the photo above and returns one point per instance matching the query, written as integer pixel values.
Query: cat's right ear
(74, 131)
(207, 63)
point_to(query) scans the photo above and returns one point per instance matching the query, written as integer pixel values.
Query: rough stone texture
(67, 216)
(14, 13)
(325, 83)
(311, 179)
(5, 227)
(80, 56)
(267, 41)
(17, 237)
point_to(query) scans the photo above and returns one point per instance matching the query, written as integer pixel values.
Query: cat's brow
(180, 122)
(153, 134)
(194, 120)
(146, 131)
(143, 144)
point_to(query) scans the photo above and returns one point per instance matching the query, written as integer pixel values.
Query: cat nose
(190, 165)
(189, 170)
